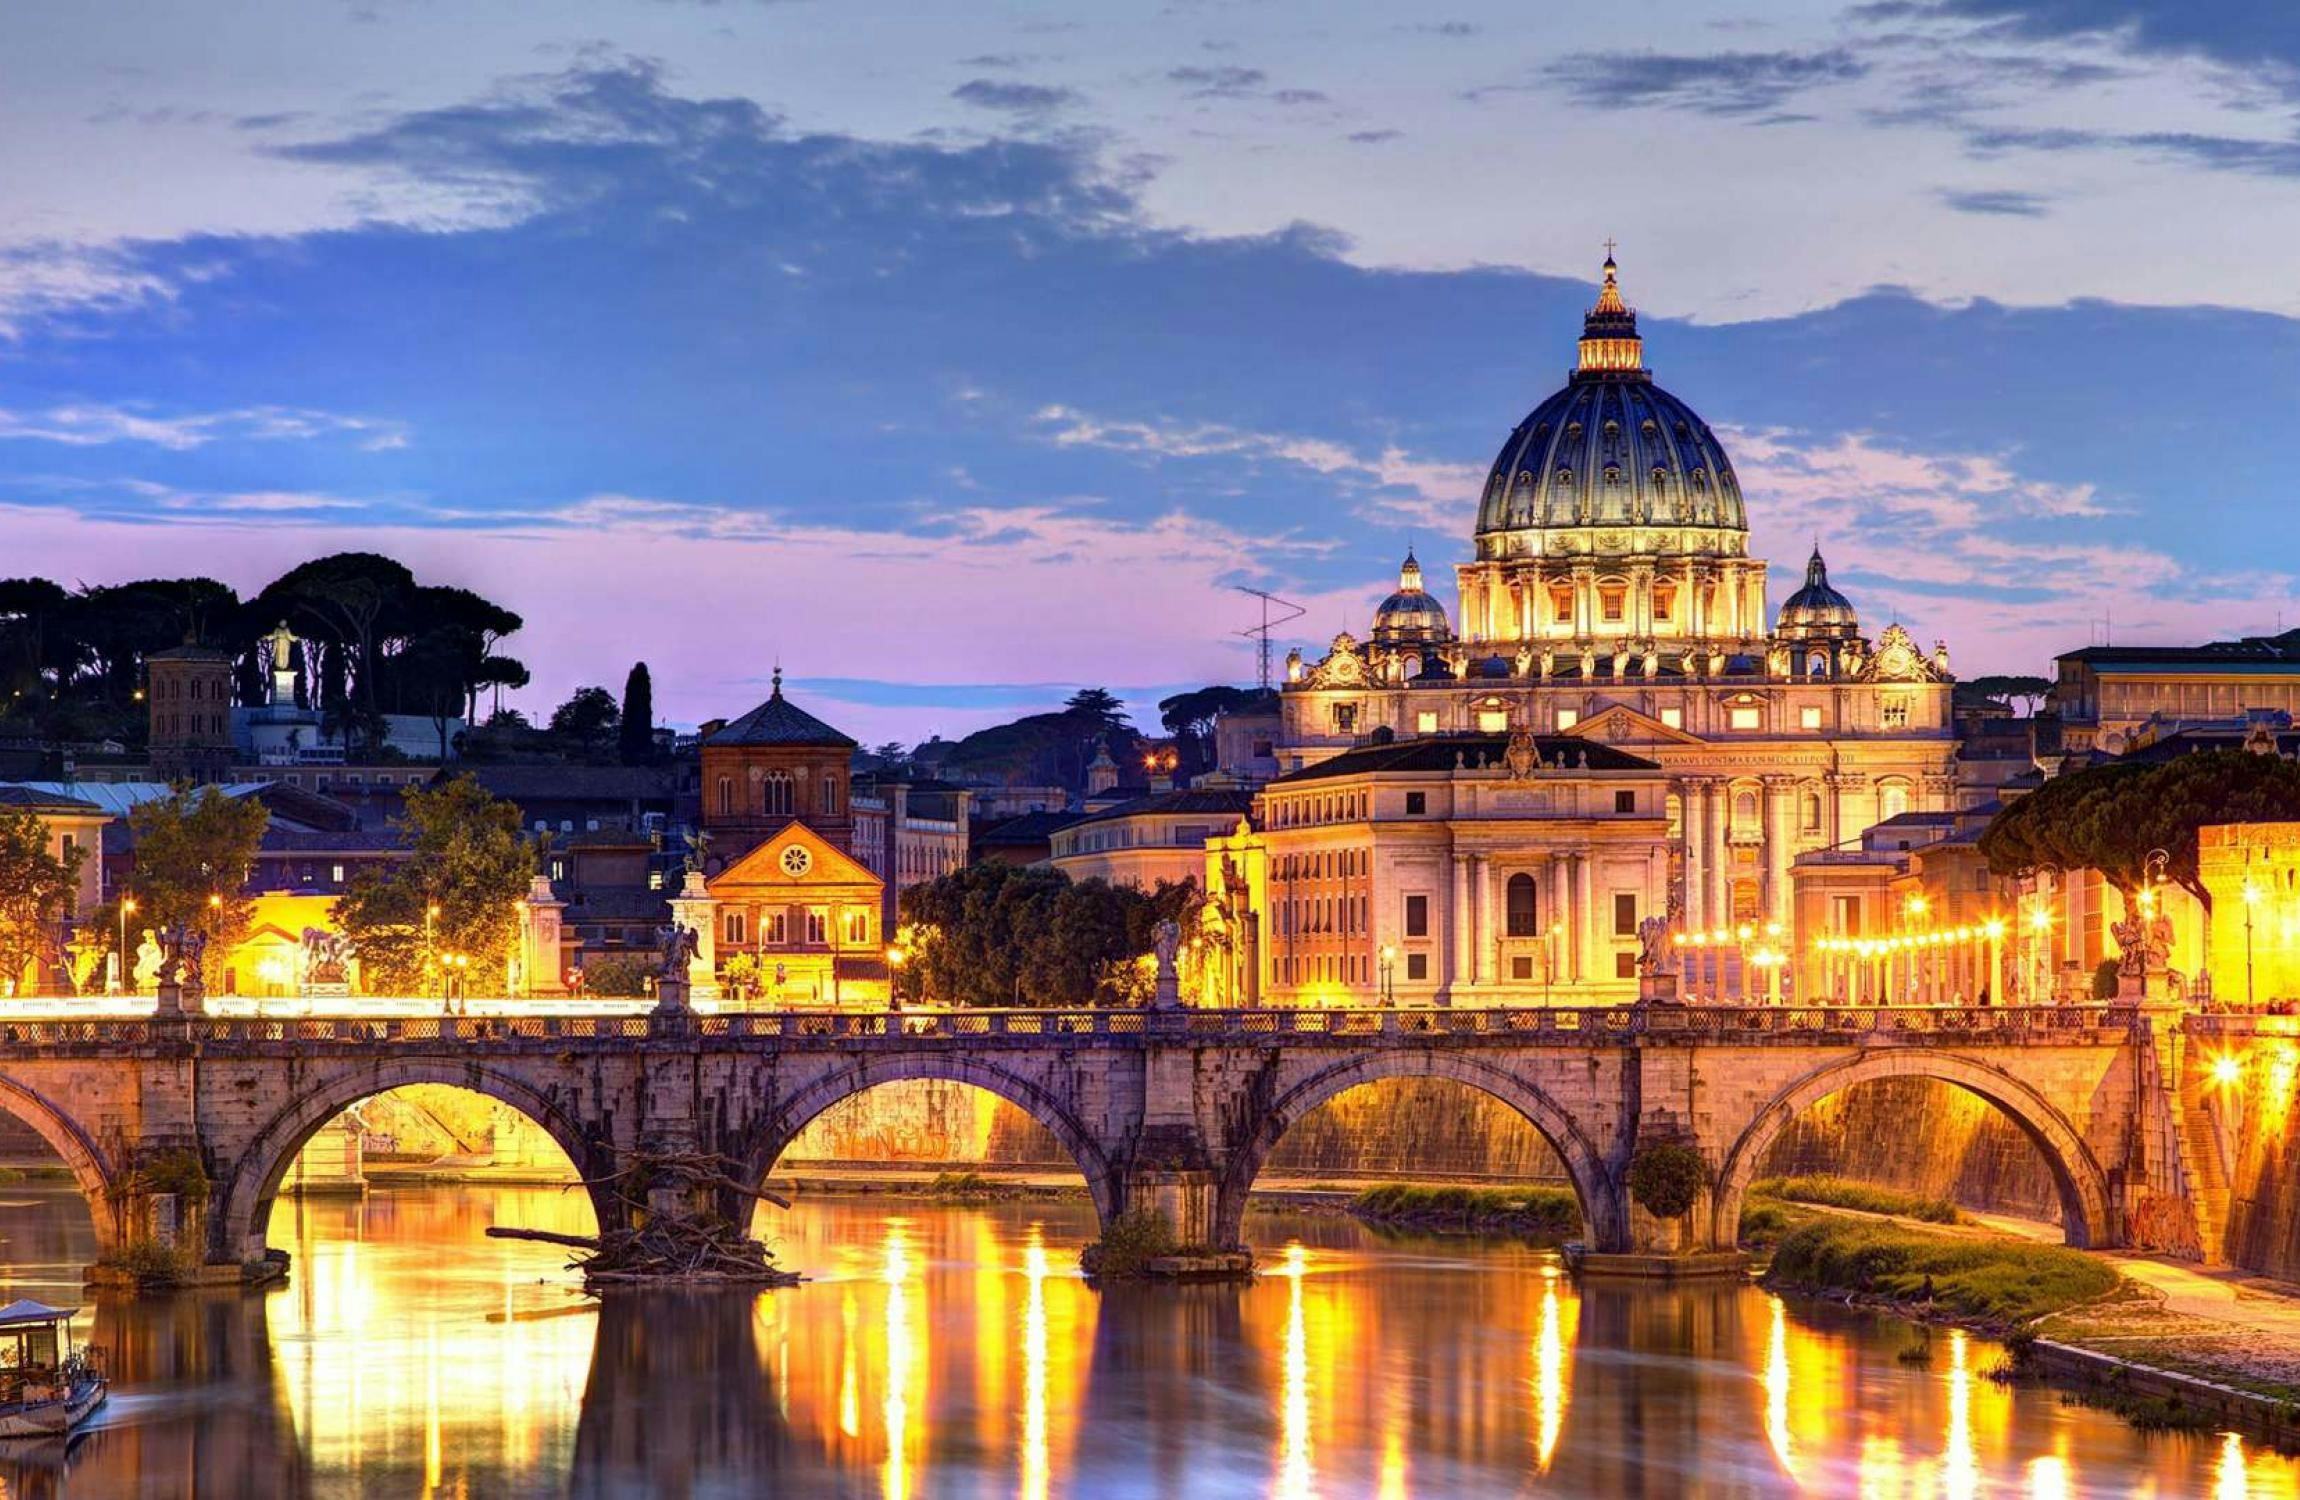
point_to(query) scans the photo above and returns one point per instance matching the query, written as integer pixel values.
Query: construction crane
(1261, 633)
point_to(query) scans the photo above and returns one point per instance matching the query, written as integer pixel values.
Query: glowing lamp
(2226, 1069)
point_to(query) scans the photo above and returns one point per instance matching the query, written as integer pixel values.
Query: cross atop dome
(1609, 341)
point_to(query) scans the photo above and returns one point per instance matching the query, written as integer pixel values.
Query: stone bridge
(1173, 1109)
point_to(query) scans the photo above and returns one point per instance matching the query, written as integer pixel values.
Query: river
(952, 1350)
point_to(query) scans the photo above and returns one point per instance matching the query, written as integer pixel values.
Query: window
(1625, 914)
(1625, 802)
(1895, 715)
(1521, 966)
(858, 926)
(1845, 916)
(1892, 800)
(1493, 721)
(830, 794)
(1417, 916)
(1345, 718)
(775, 794)
(1425, 722)
(1520, 918)
(1417, 966)
(1674, 718)
(726, 796)
(1744, 812)
(1808, 718)
(1812, 812)
(1745, 718)
(335, 874)
(1417, 803)
(558, 869)
(818, 925)
(654, 880)
(1609, 603)
(1567, 718)
(775, 928)
(734, 928)
(1625, 966)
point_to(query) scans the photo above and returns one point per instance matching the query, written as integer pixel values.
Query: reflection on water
(954, 1349)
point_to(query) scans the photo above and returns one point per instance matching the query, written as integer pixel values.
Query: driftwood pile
(669, 1247)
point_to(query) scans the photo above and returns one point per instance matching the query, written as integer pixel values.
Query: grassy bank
(1993, 1282)
(1840, 1192)
(1542, 1211)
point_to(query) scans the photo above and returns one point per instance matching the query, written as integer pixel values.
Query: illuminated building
(1456, 869)
(1611, 601)
(1148, 841)
(2115, 697)
(761, 771)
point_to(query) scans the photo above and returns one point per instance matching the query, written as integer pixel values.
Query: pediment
(1619, 724)
(827, 864)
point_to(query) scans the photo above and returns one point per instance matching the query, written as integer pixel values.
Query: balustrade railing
(1059, 1027)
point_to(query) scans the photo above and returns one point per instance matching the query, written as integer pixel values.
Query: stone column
(1690, 812)
(1720, 889)
(1585, 950)
(1779, 791)
(539, 929)
(1481, 882)
(1457, 918)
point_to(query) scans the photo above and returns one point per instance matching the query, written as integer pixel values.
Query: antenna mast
(1261, 633)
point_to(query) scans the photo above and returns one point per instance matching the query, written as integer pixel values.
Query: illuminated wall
(2253, 873)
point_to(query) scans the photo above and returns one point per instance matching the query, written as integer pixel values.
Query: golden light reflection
(2048, 1478)
(1296, 1478)
(1880, 1472)
(1960, 1474)
(1777, 1389)
(2228, 1481)
(850, 1380)
(1549, 1373)
(1034, 1270)
(899, 1355)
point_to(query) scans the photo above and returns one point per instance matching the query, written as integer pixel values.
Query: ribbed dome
(1411, 616)
(1612, 448)
(1817, 611)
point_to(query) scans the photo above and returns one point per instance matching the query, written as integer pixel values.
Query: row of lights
(1993, 929)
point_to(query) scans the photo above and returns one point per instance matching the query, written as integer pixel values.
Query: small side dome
(1410, 617)
(1817, 612)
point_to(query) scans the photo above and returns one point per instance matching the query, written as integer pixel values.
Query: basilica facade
(1614, 728)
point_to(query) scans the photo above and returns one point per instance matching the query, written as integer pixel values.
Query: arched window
(775, 794)
(1892, 800)
(1745, 812)
(1523, 918)
(1812, 812)
(726, 796)
(1817, 665)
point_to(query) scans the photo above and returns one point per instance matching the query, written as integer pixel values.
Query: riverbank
(2166, 1346)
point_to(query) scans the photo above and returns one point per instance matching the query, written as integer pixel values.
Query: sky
(959, 356)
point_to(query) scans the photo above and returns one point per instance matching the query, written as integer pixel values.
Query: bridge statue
(1656, 954)
(2131, 936)
(148, 960)
(1166, 940)
(326, 960)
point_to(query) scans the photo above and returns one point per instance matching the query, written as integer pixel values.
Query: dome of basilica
(1817, 611)
(1612, 448)
(1411, 616)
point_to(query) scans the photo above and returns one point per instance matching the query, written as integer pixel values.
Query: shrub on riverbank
(1516, 1210)
(1128, 1244)
(2000, 1281)
(1840, 1192)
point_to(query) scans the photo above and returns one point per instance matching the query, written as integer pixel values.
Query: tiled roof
(1440, 752)
(38, 800)
(778, 722)
(1024, 829)
(1211, 802)
(571, 783)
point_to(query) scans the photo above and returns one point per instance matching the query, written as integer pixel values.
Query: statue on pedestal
(2131, 936)
(148, 960)
(1166, 940)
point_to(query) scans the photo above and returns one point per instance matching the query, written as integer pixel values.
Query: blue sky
(959, 358)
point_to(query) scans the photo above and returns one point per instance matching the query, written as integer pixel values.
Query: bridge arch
(253, 1181)
(1601, 1214)
(91, 1171)
(794, 1112)
(2088, 1216)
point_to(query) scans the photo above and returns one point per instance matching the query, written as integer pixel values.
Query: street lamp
(2251, 904)
(127, 905)
(1389, 965)
(896, 957)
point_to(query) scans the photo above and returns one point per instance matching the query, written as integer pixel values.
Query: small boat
(47, 1387)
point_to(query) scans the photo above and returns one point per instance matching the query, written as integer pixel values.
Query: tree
(36, 891)
(588, 722)
(2111, 818)
(2022, 691)
(194, 848)
(1097, 705)
(1189, 717)
(469, 861)
(1003, 935)
(636, 741)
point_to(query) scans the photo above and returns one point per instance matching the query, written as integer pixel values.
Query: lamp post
(2251, 904)
(1389, 964)
(896, 957)
(126, 978)
(430, 951)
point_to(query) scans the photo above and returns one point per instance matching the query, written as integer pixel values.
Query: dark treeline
(370, 640)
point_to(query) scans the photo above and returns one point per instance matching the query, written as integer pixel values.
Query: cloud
(1013, 98)
(1219, 83)
(96, 424)
(1730, 84)
(2005, 201)
(1373, 137)
(2246, 34)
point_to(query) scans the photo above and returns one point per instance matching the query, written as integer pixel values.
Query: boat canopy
(21, 1313)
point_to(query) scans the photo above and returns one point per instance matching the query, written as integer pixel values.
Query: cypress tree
(638, 730)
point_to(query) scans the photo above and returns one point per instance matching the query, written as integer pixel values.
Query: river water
(952, 1350)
